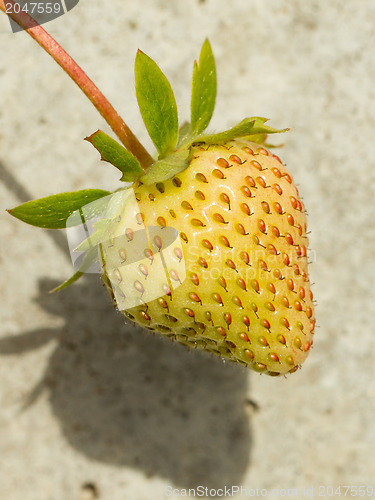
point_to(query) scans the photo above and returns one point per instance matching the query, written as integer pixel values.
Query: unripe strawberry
(246, 293)
(208, 244)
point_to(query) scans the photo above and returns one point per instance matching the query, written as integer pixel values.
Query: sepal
(157, 104)
(203, 92)
(246, 128)
(90, 257)
(167, 167)
(53, 211)
(112, 152)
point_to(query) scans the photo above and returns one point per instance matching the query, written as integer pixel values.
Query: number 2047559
(34, 8)
(346, 491)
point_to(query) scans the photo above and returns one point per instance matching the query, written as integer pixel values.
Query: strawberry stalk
(76, 73)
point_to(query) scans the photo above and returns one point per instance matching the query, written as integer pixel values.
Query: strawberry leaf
(68, 282)
(184, 134)
(112, 152)
(260, 128)
(167, 168)
(246, 128)
(90, 258)
(102, 216)
(259, 138)
(53, 211)
(203, 93)
(157, 104)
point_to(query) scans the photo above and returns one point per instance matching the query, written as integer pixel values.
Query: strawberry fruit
(208, 244)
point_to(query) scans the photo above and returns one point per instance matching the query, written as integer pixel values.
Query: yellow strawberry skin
(237, 283)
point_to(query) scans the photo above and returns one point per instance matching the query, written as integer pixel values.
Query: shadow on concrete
(128, 398)
(125, 397)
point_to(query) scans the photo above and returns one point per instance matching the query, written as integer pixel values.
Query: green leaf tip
(204, 88)
(157, 104)
(90, 257)
(246, 128)
(114, 153)
(53, 211)
(68, 282)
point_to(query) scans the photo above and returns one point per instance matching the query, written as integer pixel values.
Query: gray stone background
(85, 398)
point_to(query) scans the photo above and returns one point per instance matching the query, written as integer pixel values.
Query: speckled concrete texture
(93, 408)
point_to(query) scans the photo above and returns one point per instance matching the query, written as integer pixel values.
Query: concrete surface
(93, 408)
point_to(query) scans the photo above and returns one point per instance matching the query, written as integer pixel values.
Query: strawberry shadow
(125, 397)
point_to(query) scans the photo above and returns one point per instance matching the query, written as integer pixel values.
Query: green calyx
(158, 108)
(173, 143)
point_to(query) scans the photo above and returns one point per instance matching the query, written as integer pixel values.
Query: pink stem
(87, 86)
